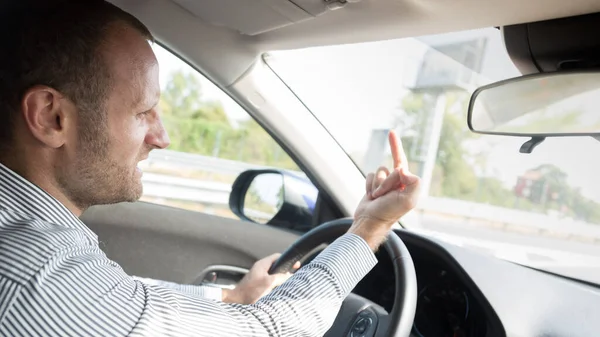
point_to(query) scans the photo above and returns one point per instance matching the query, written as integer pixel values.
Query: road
(467, 230)
(572, 258)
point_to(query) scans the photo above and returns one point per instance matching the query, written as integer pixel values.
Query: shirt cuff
(205, 290)
(349, 258)
(211, 292)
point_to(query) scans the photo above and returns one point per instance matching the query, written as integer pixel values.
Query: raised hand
(389, 195)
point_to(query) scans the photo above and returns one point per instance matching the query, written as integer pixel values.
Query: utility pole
(434, 133)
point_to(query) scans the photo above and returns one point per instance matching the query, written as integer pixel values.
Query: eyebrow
(142, 104)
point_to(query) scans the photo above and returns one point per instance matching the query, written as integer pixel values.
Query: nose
(157, 135)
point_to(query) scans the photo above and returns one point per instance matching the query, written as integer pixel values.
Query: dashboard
(446, 307)
(462, 293)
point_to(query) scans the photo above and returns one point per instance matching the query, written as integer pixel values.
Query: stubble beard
(95, 178)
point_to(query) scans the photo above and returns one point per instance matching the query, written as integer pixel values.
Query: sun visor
(560, 44)
(258, 16)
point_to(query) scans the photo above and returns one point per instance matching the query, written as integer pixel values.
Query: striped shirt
(56, 281)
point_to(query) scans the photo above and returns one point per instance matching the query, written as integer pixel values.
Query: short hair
(57, 43)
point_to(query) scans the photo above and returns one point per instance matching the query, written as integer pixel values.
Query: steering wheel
(359, 317)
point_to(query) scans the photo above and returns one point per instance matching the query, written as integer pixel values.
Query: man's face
(105, 162)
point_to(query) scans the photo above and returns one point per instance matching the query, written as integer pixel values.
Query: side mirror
(274, 197)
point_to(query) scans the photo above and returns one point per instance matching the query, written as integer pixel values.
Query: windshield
(540, 209)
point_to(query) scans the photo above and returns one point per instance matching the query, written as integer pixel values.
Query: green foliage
(567, 199)
(199, 126)
(454, 175)
(585, 209)
(182, 95)
(255, 202)
(458, 177)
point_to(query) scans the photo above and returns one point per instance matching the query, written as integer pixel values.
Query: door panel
(176, 245)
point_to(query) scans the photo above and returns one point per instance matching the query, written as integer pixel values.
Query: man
(78, 96)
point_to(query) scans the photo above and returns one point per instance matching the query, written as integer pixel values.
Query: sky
(353, 89)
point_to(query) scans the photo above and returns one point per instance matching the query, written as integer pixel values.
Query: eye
(142, 114)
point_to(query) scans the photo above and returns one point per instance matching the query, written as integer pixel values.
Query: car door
(182, 229)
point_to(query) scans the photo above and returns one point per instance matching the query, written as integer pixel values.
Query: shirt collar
(20, 195)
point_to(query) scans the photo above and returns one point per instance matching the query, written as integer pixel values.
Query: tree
(560, 196)
(197, 125)
(454, 173)
(259, 144)
(453, 176)
(182, 95)
(458, 176)
(211, 111)
(492, 191)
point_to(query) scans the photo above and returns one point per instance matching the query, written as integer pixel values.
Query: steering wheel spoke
(359, 317)
(383, 325)
(353, 307)
(366, 323)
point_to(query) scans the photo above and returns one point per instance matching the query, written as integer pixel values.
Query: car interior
(456, 292)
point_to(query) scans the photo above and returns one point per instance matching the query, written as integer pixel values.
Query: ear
(47, 114)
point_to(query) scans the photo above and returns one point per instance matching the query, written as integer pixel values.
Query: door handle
(221, 276)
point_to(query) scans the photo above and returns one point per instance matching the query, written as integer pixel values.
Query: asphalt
(570, 258)
(467, 230)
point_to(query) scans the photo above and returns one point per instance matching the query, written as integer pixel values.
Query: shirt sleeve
(206, 291)
(81, 292)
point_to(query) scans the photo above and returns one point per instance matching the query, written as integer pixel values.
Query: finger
(296, 265)
(369, 183)
(395, 148)
(280, 278)
(398, 154)
(272, 258)
(380, 175)
(411, 182)
(266, 262)
(398, 179)
(392, 182)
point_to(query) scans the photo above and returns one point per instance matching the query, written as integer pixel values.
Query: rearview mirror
(540, 105)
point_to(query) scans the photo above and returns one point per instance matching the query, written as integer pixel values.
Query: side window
(213, 140)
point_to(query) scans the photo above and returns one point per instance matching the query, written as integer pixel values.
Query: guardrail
(511, 219)
(208, 164)
(170, 187)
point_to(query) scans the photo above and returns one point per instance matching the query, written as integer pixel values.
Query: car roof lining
(224, 55)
